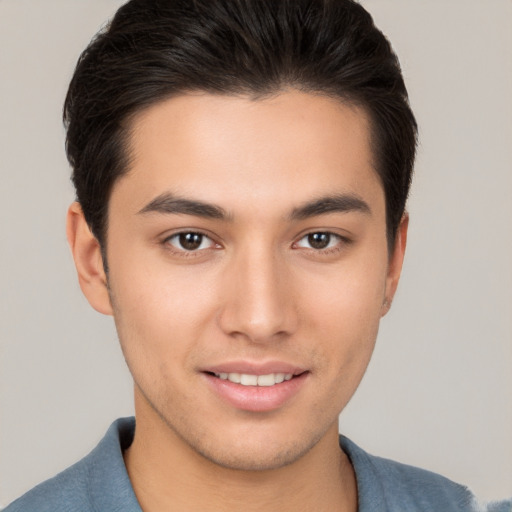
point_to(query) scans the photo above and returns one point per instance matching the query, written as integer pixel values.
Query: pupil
(190, 241)
(319, 240)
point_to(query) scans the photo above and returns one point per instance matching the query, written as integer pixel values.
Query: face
(248, 268)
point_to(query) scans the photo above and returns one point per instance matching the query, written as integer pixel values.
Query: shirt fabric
(99, 483)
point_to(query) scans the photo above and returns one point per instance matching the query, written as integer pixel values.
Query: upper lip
(255, 368)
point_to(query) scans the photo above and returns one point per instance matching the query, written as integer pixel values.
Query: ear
(88, 260)
(396, 261)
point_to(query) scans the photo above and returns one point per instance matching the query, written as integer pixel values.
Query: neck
(168, 474)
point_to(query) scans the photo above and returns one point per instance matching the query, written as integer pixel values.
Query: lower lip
(257, 398)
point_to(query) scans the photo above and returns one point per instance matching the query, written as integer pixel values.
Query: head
(243, 166)
(158, 49)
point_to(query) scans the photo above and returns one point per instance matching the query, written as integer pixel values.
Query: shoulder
(97, 482)
(65, 491)
(395, 487)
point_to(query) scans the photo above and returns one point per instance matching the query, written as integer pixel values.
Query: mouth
(257, 391)
(247, 379)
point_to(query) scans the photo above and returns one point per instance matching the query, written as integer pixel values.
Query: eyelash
(192, 252)
(341, 241)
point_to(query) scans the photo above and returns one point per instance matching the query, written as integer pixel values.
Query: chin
(252, 451)
(255, 458)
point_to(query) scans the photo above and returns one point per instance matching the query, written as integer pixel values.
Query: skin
(256, 290)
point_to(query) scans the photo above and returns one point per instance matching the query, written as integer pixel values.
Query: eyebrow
(169, 203)
(338, 203)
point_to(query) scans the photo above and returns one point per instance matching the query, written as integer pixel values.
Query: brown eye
(319, 240)
(190, 241)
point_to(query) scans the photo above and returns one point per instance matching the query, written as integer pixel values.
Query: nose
(258, 301)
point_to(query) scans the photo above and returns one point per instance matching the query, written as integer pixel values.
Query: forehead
(234, 148)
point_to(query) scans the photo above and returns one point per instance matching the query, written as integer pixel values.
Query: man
(241, 172)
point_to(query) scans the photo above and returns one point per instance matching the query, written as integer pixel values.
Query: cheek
(342, 312)
(160, 314)
(347, 298)
(348, 337)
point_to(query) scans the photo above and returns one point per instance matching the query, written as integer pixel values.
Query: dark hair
(154, 49)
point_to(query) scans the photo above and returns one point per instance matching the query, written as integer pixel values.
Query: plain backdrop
(438, 390)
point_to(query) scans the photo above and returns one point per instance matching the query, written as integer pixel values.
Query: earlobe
(88, 260)
(396, 261)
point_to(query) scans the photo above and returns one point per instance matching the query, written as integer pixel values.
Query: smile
(259, 391)
(246, 379)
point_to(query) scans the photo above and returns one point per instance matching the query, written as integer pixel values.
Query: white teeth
(248, 380)
(255, 380)
(266, 380)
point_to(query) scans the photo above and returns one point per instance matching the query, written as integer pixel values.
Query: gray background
(438, 390)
